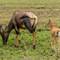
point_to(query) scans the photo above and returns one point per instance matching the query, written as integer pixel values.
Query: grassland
(45, 10)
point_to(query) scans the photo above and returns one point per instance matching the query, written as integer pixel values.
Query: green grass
(25, 51)
(45, 10)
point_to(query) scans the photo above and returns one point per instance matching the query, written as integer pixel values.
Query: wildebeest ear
(49, 20)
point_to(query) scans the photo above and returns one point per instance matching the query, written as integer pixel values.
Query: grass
(25, 51)
(45, 10)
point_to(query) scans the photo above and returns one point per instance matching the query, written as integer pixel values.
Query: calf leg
(55, 43)
(51, 43)
(59, 43)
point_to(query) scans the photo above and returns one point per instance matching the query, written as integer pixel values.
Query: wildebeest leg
(33, 39)
(16, 28)
(16, 45)
(17, 32)
(14, 24)
(27, 23)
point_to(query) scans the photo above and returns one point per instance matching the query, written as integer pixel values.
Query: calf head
(49, 24)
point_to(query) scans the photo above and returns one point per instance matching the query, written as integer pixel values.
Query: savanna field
(45, 10)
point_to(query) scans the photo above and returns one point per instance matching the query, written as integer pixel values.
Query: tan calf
(55, 32)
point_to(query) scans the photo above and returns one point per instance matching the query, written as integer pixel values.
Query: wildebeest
(20, 20)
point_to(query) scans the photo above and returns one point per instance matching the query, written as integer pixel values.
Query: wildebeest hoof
(33, 46)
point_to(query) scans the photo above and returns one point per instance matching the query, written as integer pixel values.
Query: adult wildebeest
(20, 20)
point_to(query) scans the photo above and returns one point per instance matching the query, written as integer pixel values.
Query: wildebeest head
(4, 35)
